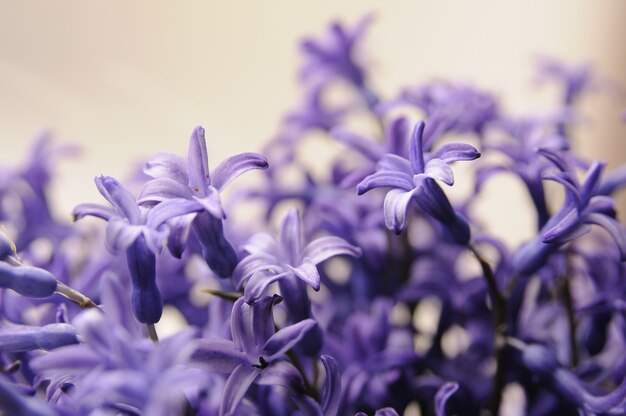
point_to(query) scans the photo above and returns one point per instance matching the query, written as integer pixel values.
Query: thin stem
(75, 296)
(152, 333)
(500, 329)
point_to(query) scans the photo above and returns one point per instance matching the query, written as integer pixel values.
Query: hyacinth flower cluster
(366, 288)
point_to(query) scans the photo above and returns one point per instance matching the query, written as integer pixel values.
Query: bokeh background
(128, 79)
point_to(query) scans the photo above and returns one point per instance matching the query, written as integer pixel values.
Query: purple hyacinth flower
(15, 338)
(127, 230)
(186, 195)
(443, 395)
(287, 257)
(256, 353)
(582, 208)
(334, 57)
(414, 180)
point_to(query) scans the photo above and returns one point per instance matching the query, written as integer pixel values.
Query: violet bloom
(257, 353)
(286, 258)
(582, 208)
(334, 57)
(127, 230)
(185, 187)
(414, 180)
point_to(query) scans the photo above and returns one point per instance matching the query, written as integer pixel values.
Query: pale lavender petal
(287, 338)
(241, 327)
(452, 152)
(162, 189)
(72, 358)
(395, 209)
(443, 394)
(234, 166)
(119, 234)
(198, 170)
(367, 147)
(331, 395)
(258, 283)
(95, 210)
(438, 169)
(212, 204)
(167, 165)
(260, 243)
(291, 235)
(251, 264)
(236, 387)
(564, 230)
(614, 228)
(416, 152)
(308, 273)
(219, 355)
(385, 178)
(326, 247)
(170, 209)
(119, 197)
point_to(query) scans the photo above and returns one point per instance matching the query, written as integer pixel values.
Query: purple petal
(395, 208)
(438, 169)
(601, 204)
(331, 395)
(386, 411)
(260, 243)
(167, 165)
(119, 234)
(281, 373)
(416, 152)
(212, 204)
(592, 181)
(95, 210)
(234, 166)
(162, 189)
(72, 358)
(287, 338)
(442, 396)
(326, 247)
(564, 230)
(367, 147)
(385, 178)
(291, 235)
(258, 283)
(252, 264)
(396, 136)
(241, 328)
(119, 197)
(263, 319)
(452, 152)
(236, 387)
(613, 227)
(219, 355)
(179, 234)
(199, 178)
(308, 273)
(170, 209)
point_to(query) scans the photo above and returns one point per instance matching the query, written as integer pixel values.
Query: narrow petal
(263, 319)
(119, 197)
(601, 204)
(564, 230)
(591, 182)
(241, 328)
(281, 373)
(95, 210)
(453, 152)
(236, 387)
(326, 247)
(252, 264)
(331, 395)
(438, 169)
(416, 151)
(167, 165)
(291, 235)
(385, 178)
(396, 135)
(287, 338)
(234, 166)
(395, 163)
(162, 189)
(442, 396)
(212, 204)
(198, 168)
(308, 273)
(395, 208)
(219, 355)
(614, 228)
(170, 209)
(258, 283)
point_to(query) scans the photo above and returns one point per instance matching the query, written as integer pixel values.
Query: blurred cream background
(128, 79)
